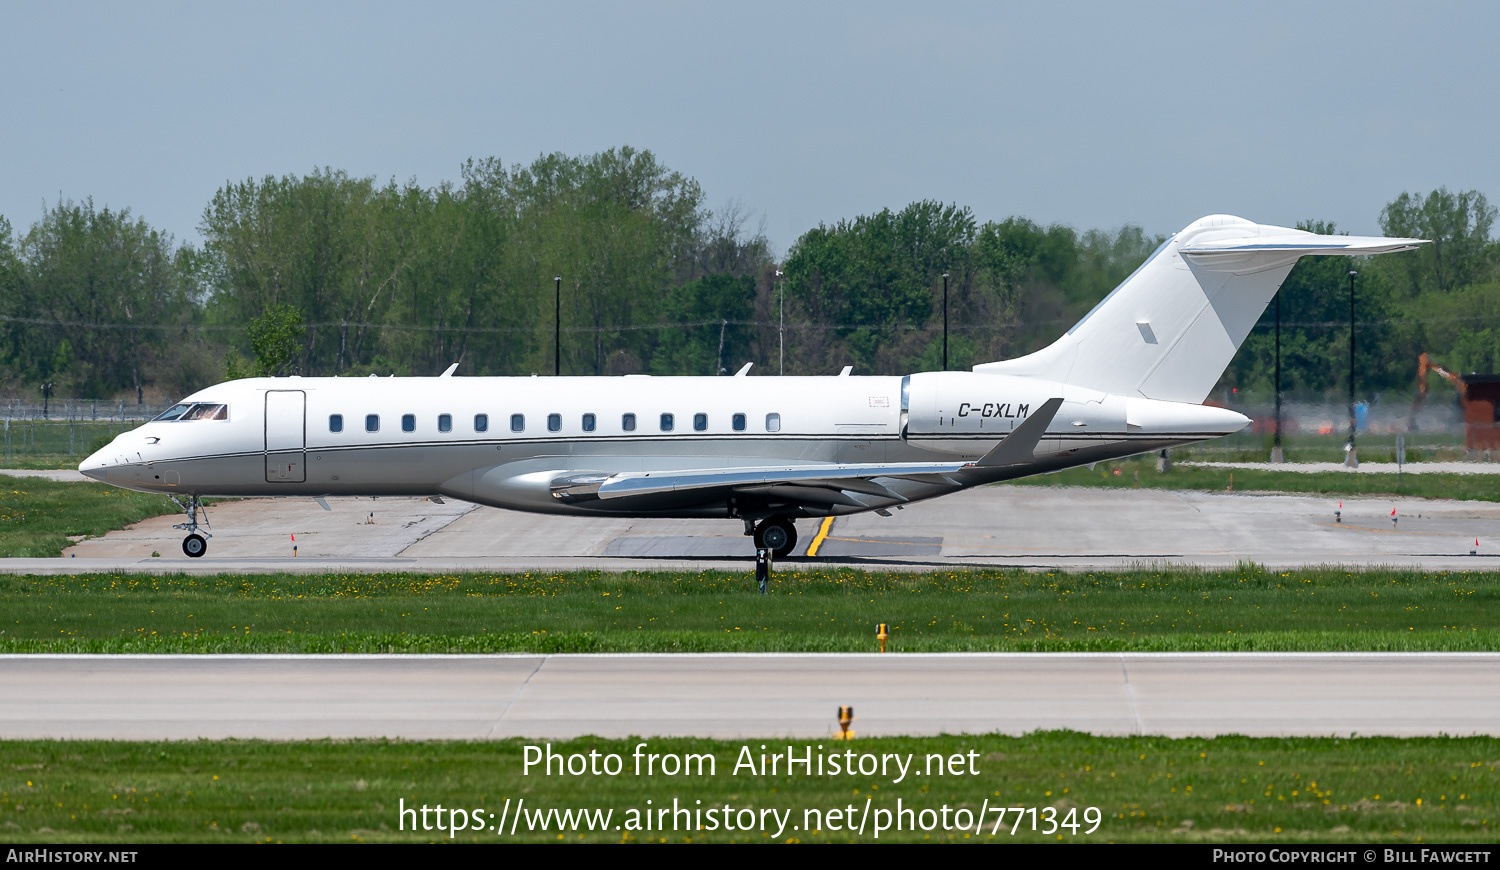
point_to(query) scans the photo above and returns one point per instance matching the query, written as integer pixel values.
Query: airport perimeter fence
(1315, 429)
(56, 432)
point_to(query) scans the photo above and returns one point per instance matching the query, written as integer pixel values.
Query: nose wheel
(195, 544)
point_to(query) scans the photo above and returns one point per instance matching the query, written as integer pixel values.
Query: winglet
(1018, 446)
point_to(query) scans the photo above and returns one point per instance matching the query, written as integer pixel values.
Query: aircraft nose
(96, 467)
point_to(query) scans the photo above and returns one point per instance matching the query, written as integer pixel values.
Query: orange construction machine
(1478, 394)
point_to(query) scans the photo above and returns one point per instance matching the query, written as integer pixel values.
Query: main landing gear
(194, 544)
(775, 537)
(776, 534)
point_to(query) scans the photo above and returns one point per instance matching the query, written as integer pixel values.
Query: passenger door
(286, 436)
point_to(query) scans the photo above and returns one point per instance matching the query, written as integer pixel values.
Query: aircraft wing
(652, 482)
(857, 485)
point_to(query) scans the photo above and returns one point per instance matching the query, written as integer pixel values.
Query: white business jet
(1128, 378)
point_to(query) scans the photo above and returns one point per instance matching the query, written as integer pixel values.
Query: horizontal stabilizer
(1019, 446)
(1302, 243)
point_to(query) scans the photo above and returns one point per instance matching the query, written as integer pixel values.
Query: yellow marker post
(846, 717)
(881, 633)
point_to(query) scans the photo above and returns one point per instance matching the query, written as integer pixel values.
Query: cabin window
(738, 422)
(700, 422)
(372, 422)
(773, 422)
(408, 422)
(445, 422)
(666, 422)
(627, 422)
(335, 422)
(481, 422)
(589, 423)
(518, 422)
(554, 422)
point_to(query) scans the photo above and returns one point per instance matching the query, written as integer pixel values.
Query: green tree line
(327, 274)
(1443, 299)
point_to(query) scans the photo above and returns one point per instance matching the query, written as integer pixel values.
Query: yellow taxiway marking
(823, 530)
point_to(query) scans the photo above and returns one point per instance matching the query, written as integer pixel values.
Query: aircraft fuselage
(535, 443)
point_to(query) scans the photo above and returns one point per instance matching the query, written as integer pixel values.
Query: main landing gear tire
(194, 545)
(776, 534)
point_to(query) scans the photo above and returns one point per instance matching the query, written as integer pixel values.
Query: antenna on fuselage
(448, 372)
(744, 370)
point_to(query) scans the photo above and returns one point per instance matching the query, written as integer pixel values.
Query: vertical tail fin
(1171, 328)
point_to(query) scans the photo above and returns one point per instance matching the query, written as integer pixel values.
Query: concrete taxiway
(1000, 526)
(735, 695)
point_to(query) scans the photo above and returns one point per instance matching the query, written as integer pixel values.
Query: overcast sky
(1089, 114)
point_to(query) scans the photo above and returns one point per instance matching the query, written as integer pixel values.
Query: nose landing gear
(195, 544)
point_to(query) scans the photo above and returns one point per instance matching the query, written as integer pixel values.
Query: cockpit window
(206, 411)
(198, 411)
(171, 413)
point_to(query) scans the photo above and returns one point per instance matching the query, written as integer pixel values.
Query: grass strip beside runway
(1244, 609)
(1228, 789)
(1141, 473)
(37, 516)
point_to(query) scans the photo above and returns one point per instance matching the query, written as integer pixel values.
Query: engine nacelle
(965, 413)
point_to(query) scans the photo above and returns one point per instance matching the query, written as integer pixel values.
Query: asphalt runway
(1040, 527)
(739, 696)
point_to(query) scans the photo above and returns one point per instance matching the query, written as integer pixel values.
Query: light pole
(1351, 455)
(1276, 455)
(781, 324)
(945, 321)
(557, 325)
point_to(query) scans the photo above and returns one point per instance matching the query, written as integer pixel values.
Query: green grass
(56, 443)
(1229, 789)
(1141, 473)
(37, 516)
(1247, 608)
(1250, 446)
